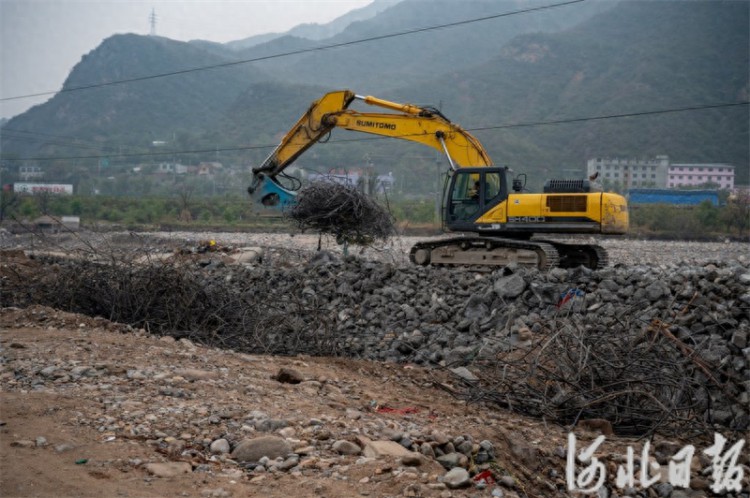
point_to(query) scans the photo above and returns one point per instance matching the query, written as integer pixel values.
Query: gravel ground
(621, 251)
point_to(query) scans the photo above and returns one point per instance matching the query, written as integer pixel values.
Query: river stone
(465, 374)
(346, 447)
(452, 460)
(247, 255)
(427, 450)
(252, 450)
(288, 376)
(168, 469)
(194, 374)
(220, 446)
(511, 286)
(375, 449)
(457, 478)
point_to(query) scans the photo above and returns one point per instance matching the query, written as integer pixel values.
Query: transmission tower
(152, 19)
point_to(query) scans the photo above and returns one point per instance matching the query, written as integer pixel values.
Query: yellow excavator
(497, 217)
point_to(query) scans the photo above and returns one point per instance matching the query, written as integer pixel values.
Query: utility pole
(152, 20)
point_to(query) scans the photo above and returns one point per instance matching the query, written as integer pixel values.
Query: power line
(47, 141)
(296, 52)
(16, 130)
(364, 139)
(60, 140)
(613, 116)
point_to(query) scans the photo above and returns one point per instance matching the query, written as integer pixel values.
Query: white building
(171, 169)
(693, 175)
(660, 173)
(26, 173)
(630, 173)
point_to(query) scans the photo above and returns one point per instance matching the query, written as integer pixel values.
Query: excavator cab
(470, 192)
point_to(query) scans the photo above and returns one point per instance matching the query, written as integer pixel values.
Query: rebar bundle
(342, 211)
(641, 382)
(178, 299)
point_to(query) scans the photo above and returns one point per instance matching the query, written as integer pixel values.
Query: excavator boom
(308, 131)
(409, 122)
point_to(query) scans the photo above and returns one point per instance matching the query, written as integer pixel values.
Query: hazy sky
(41, 40)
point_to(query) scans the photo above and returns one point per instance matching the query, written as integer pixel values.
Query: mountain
(591, 59)
(314, 31)
(390, 62)
(186, 104)
(638, 57)
(138, 112)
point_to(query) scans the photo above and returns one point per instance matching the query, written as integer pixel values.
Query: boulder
(252, 450)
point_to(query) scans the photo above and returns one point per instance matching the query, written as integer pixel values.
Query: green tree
(708, 215)
(8, 200)
(737, 212)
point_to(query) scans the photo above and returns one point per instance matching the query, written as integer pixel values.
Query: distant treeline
(704, 221)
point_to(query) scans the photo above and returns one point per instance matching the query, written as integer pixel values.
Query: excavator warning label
(375, 124)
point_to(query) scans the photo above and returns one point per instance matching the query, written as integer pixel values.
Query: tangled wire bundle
(342, 211)
(180, 300)
(641, 382)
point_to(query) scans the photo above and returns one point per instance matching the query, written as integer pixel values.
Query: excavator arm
(407, 122)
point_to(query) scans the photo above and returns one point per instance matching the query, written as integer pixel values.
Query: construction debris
(648, 348)
(342, 211)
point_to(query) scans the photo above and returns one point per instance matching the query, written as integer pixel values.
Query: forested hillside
(130, 116)
(637, 58)
(419, 57)
(563, 65)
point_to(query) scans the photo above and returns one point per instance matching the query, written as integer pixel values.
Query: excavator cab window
(465, 196)
(472, 191)
(492, 183)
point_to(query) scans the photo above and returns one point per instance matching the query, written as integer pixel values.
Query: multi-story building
(171, 169)
(659, 173)
(26, 173)
(630, 173)
(692, 175)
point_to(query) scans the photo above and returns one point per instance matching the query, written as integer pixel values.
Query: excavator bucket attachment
(269, 197)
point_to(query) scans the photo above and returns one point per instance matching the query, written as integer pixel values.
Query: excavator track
(485, 251)
(572, 255)
(497, 251)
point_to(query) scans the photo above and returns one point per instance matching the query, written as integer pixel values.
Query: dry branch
(342, 211)
(181, 300)
(576, 373)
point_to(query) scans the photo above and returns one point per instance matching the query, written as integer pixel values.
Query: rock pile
(698, 315)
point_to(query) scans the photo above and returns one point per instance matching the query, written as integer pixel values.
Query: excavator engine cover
(566, 186)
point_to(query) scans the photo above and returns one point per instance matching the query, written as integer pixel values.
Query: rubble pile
(675, 334)
(681, 330)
